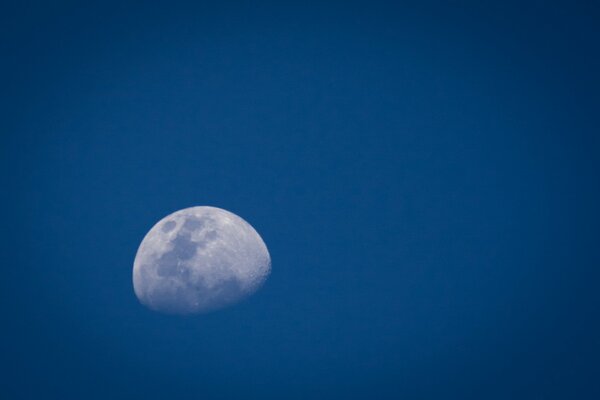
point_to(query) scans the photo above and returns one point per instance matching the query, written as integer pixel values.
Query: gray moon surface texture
(197, 260)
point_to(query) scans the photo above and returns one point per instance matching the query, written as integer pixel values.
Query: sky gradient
(425, 177)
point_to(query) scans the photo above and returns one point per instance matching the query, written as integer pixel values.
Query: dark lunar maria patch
(168, 226)
(192, 224)
(183, 247)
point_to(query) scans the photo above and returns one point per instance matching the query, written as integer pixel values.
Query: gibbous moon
(197, 260)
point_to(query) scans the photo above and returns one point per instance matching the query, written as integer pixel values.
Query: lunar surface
(197, 260)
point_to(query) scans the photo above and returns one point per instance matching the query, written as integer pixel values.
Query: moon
(197, 260)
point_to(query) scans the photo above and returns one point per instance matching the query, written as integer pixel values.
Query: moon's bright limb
(199, 259)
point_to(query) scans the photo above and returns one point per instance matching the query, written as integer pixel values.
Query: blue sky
(424, 176)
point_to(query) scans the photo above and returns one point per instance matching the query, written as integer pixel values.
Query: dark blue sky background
(425, 177)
